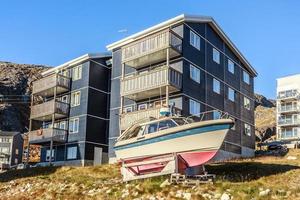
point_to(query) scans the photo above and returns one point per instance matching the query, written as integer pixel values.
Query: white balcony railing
(288, 122)
(49, 82)
(153, 79)
(288, 133)
(151, 44)
(48, 134)
(289, 108)
(288, 94)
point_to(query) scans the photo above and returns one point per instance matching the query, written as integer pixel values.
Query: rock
(187, 195)
(179, 194)
(264, 192)
(291, 158)
(165, 183)
(225, 196)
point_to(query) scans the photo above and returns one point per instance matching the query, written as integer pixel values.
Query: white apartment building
(288, 108)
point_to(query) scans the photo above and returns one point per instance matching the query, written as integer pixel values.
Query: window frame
(247, 129)
(72, 125)
(195, 40)
(246, 77)
(216, 88)
(216, 58)
(191, 111)
(75, 100)
(230, 66)
(247, 103)
(195, 71)
(77, 73)
(73, 154)
(229, 94)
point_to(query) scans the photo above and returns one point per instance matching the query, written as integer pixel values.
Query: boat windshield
(153, 127)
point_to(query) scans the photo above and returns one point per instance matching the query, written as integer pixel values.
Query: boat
(192, 140)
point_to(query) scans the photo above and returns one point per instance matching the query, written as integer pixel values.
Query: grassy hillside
(259, 178)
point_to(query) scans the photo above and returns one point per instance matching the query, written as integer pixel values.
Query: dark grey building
(11, 149)
(187, 62)
(70, 111)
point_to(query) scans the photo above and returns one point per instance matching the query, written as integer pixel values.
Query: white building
(288, 108)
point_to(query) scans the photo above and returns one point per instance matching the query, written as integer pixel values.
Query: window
(216, 55)
(142, 106)
(194, 108)
(166, 124)
(246, 77)
(216, 86)
(16, 160)
(246, 103)
(128, 109)
(64, 99)
(194, 40)
(231, 94)
(230, 66)
(195, 73)
(48, 155)
(62, 125)
(74, 125)
(151, 128)
(75, 99)
(76, 73)
(247, 129)
(216, 115)
(4, 150)
(17, 151)
(72, 153)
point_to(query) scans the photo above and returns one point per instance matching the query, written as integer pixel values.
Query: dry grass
(243, 179)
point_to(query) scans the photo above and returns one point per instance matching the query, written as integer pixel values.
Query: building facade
(70, 111)
(189, 64)
(288, 108)
(11, 149)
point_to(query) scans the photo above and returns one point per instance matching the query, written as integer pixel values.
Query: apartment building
(11, 149)
(288, 108)
(69, 112)
(188, 64)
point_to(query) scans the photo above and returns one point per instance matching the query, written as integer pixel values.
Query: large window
(72, 153)
(195, 73)
(247, 130)
(75, 99)
(76, 72)
(246, 77)
(74, 125)
(194, 40)
(216, 86)
(230, 66)
(231, 94)
(194, 108)
(4, 150)
(216, 55)
(247, 103)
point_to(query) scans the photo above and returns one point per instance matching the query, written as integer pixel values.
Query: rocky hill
(15, 90)
(265, 118)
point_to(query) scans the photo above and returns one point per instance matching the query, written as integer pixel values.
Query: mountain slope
(15, 91)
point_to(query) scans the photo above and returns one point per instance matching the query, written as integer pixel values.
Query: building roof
(179, 19)
(8, 133)
(77, 60)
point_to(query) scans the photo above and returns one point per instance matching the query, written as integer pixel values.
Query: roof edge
(77, 60)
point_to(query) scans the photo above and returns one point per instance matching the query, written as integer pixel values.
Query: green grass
(243, 179)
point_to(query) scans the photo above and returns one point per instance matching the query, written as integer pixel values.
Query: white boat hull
(188, 141)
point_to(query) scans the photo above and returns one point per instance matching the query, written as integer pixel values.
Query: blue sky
(53, 32)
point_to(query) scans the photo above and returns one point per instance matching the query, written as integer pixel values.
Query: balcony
(152, 49)
(45, 86)
(288, 134)
(288, 109)
(288, 95)
(128, 119)
(151, 83)
(46, 135)
(288, 122)
(44, 111)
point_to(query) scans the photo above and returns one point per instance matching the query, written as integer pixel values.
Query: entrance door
(97, 156)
